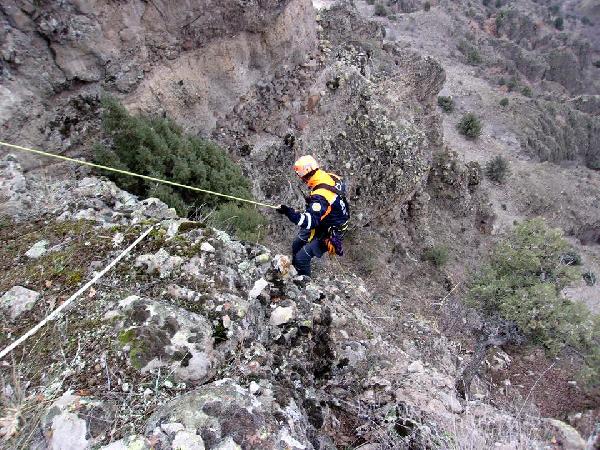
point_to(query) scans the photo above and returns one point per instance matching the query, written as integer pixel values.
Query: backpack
(340, 188)
(335, 235)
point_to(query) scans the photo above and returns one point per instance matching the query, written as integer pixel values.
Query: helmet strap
(306, 178)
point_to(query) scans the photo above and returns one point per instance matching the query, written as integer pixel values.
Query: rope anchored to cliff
(132, 174)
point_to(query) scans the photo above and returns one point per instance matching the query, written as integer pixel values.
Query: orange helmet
(305, 165)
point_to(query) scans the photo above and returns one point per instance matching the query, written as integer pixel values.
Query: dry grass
(487, 431)
(54, 357)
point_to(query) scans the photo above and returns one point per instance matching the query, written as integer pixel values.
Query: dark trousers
(303, 251)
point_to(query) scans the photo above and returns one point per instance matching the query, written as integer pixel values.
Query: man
(323, 223)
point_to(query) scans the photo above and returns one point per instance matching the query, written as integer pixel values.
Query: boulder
(133, 442)
(12, 180)
(263, 258)
(185, 440)
(567, 436)
(416, 367)
(156, 334)
(225, 415)
(161, 262)
(13, 186)
(451, 403)
(74, 422)
(154, 208)
(206, 247)
(259, 286)
(18, 300)
(282, 315)
(37, 250)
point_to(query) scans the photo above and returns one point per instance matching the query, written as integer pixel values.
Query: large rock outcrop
(365, 109)
(162, 56)
(227, 415)
(227, 349)
(564, 59)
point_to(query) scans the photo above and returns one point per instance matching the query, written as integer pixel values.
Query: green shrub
(473, 57)
(470, 52)
(470, 126)
(590, 373)
(427, 6)
(446, 103)
(370, 2)
(504, 102)
(497, 169)
(157, 147)
(554, 9)
(559, 23)
(500, 18)
(244, 220)
(571, 258)
(597, 64)
(589, 277)
(438, 255)
(498, 4)
(502, 81)
(526, 91)
(512, 84)
(522, 284)
(380, 10)
(586, 20)
(486, 2)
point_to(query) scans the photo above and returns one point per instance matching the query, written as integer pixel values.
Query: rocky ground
(566, 194)
(197, 340)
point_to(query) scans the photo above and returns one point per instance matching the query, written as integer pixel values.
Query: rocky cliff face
(201, 341)
(198, 340)
(523, 39)
(556, 132)
(161, 56)
(364, 108)
(352, 100)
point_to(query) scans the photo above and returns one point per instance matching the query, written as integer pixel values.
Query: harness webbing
(329, 188)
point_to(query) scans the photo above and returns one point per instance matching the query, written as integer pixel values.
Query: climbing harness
(132, 174)
(334, 239)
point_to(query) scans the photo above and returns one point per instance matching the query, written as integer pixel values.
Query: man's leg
(316, 248)
(297, 246)
(300, 241)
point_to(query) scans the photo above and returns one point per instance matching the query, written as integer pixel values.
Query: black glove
(284, 209)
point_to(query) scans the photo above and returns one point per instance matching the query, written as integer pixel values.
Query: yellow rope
(125, 172)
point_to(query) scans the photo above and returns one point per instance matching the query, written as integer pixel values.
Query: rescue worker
(325, 220)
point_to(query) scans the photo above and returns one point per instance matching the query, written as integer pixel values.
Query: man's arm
(309, 219)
